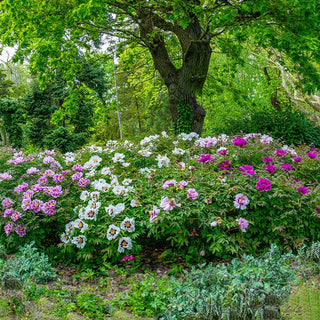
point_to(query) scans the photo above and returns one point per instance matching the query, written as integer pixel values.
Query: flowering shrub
(212, 195)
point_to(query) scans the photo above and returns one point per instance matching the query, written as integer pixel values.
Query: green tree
(179, 35)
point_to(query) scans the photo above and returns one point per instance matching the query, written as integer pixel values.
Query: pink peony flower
(297, 159)
(8, 228)
(225, 165)
(243, 223)
(192, 193)
(21, 230)
(168, 204)
(241, 201)
(154, 213)
(83, 182)
(7, 202)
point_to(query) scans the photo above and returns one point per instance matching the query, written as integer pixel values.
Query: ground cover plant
(207, 197)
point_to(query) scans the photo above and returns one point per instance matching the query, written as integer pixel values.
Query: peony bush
(204, 197)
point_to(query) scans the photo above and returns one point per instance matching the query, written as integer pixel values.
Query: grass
(304, 302)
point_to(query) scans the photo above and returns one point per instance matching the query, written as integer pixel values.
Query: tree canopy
(179, 34)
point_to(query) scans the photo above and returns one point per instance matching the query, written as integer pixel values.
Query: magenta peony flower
(247, 170)
(267, 159)
(280, 152)
(303, 190)
(263, 185)
(225, 165)
(240, 142)
(312, 155)
(286, 167)
(206, 158)
(297, 159)
(271, 168)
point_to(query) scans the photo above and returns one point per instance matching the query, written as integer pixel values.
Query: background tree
(179, 35)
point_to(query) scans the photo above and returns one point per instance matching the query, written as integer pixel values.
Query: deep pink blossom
(58, 178)
(36, 205)
(225, 165)
(49, 173)
(56, 191)
(15, 216)
(206, 158)
(8, 212)
(247, 170)
(297, 159)
(83, 182)
(240, 142)
(43, 180)
(76, 176)
(303, 190)
(280, 152)
(21, 187)
(263, 185)
(286, 167)
(77, 167)
(270, 168)
(127, 258)
(312, 155)
(26, 204)
(267, 159)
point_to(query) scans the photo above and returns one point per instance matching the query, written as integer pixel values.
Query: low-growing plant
(245, 288)
(27, 264)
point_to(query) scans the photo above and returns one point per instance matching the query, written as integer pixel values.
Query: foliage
(245, 288)
(12, 120)
(177, 34)
(291, 125)
(27, 264)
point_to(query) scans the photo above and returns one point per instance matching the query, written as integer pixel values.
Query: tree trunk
(187, 115)
(186, 81)
(4, 137)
